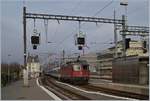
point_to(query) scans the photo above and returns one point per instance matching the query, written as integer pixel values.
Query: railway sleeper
(65, 93)
(116, 92)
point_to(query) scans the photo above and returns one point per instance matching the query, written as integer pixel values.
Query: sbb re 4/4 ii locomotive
(76, 72)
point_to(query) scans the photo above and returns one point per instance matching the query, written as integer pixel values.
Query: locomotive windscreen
(76, 67)
(85, 67)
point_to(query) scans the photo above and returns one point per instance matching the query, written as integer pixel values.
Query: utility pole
(25, 71)
(8, 69)
(124, 35)
(63, 55)
(115, 36)
(124, 24)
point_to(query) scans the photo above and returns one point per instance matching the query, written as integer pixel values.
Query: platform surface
(139, 89)
(16, 91)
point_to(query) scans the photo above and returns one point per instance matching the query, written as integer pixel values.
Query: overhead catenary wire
(75, 7)
(56, 30)
(61, 42)
(23, 3)
(116, 8)
(83, 23)
(99, 11)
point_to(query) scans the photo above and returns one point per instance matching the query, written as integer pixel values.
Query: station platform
(16, 91)
(100, 77)
(132, 88)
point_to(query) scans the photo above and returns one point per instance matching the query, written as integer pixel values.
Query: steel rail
(115, 92)
(64, 92)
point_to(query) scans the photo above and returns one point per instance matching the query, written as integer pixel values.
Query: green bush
(14, 73)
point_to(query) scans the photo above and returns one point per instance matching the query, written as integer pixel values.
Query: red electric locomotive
(75, 72)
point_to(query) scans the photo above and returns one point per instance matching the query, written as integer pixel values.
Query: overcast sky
(62, 35)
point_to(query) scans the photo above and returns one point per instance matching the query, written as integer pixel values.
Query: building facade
(136, 48)
(33, 66)
(91, 58)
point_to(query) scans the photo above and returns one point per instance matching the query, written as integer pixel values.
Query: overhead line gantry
(117, 22)
(72, 18)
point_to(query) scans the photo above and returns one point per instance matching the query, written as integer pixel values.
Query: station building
(101, 63)
(91, 58)
(136, 48)
(33, 66)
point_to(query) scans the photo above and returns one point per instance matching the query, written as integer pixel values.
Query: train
(75, 72)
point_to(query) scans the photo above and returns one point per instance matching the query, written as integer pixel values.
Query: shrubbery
(10, 73)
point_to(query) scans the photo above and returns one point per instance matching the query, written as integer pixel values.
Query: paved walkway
(16, 91)
(139, 89)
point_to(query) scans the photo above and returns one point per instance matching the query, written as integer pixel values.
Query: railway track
(114, 92)
(62, 92)
(67, 94)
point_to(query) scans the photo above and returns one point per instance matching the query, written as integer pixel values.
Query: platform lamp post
(25, 70)
(8, 70)
(124, 3)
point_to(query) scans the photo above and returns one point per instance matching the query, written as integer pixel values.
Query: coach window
(76, 68)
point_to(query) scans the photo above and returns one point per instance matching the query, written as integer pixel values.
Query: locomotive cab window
(76, 67)
(85, 67)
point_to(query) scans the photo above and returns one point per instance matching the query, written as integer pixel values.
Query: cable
(103, 8)
(64, 39)
(83, 23)
(71, 12)
(24, 3)
(61, 42)
(75, 7)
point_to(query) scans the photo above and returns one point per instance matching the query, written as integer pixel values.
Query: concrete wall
(132, 70)
(105, 58)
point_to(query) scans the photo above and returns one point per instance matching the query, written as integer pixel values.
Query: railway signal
(127, 43)
(35, 38)
(34, 16)
(80, 40)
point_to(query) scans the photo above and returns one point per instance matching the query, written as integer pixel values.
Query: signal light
(144, 44)
(34, 47)
(144, 51)
(80, 47)
(80, 41)
(35, 39)
(127, 43)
